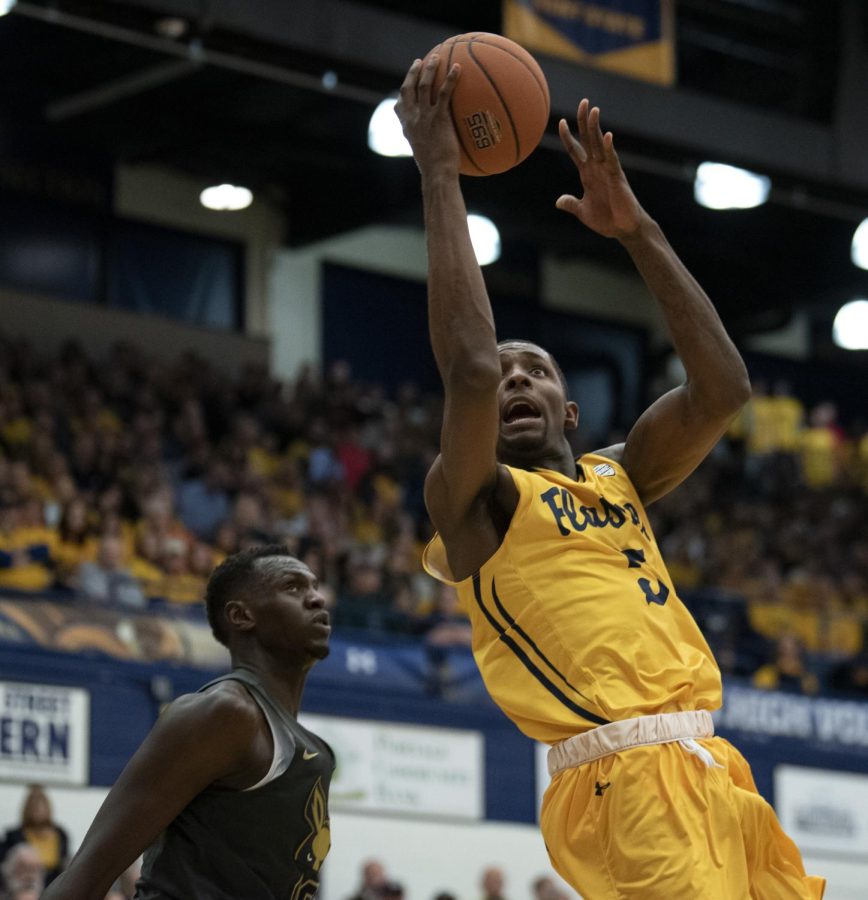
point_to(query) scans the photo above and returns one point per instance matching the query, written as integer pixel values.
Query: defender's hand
(608, 204)
(426, 120)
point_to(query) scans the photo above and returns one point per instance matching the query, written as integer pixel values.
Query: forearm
(460, 319)
(77, 883)
(716, 374)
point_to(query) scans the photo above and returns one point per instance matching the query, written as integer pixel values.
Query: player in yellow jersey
(577, 631)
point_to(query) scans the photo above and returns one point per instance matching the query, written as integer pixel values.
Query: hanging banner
(629, 37)
(44, 733)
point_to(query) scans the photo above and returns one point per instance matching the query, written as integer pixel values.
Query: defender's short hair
(236, 577)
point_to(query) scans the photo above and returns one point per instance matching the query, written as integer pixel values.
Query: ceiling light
(6, 6)
(485, 239)
(859, 247)
(172, 27)
(329, 80)
(718, 186)
(384, 131)
(226, 197)
(850, 328)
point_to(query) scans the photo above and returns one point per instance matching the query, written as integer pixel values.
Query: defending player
(228, 792)
(576, 629)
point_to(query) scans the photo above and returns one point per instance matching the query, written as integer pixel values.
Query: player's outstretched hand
(608, 204)
(425, 117)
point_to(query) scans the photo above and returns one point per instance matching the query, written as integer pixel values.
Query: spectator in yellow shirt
(26, 547)
(787, 672)
(760, 422)
(179, 585)
(820, 448)
(787, 417)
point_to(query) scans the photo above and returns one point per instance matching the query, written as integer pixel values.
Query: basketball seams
(503, 102)
(487, 90)
(541, 84)
(457, 129)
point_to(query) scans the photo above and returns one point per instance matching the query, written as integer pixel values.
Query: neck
(284, 681)
(560, 460)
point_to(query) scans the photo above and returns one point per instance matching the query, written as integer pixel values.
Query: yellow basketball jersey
(575, 621)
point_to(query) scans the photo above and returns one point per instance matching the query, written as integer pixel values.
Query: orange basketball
(500, 107)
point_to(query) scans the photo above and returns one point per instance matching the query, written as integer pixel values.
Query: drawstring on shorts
(691, 746)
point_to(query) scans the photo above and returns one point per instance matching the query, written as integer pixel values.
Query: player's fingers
(408, 85)
(571, 145)
(570, 204)
(448, 86)
(613, 163)
(595, 136)
(582, 121)
(427, 77)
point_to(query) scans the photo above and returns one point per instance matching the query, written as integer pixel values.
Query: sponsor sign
(44, 733)
(416, 770)
(824, 812)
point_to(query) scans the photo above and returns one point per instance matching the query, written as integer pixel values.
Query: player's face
(291, 617)
(534, 411)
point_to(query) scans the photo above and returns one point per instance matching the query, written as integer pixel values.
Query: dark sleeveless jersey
(267, 842)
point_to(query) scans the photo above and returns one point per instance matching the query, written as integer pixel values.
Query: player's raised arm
(677, 431)
(172, 766)
(459, 313)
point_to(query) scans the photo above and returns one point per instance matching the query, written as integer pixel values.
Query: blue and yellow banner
(630, 37)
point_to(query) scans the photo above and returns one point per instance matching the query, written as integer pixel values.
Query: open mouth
(321, 619)
(519, 411)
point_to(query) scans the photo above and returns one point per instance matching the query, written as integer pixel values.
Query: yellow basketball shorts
(654, 822)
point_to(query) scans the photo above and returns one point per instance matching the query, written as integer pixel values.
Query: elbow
(723, 400)
(738, 393)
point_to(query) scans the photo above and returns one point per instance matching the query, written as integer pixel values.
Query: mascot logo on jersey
(314, 848)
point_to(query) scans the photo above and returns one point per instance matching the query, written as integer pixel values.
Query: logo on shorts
(484, 129)
(599, 788)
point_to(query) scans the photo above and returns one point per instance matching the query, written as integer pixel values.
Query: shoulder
(606, 467)
(449, 520)
(227, 708)
(615, 453)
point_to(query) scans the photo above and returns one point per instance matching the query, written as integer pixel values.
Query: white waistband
(604, 740)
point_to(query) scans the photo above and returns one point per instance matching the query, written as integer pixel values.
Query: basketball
(500, 107)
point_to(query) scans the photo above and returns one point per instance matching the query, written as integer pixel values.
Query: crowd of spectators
(126, 481)
(769, 541)
(36, 850)
(375, 884)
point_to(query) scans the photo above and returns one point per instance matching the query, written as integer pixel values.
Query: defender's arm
(175, 763)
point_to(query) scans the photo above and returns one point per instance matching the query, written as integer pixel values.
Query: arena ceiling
(234, 91)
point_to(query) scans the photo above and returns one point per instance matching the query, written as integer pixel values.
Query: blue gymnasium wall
(387, 681)
(378, 323)
(64, 251)
(126, 698)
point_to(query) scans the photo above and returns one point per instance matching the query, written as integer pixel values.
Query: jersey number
(635, 558)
